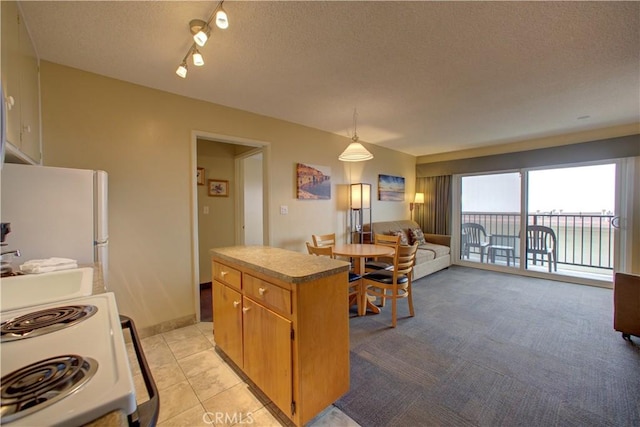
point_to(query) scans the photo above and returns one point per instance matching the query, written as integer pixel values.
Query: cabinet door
(227, 321)
(29, 97)
(11, 68)
(267, 356)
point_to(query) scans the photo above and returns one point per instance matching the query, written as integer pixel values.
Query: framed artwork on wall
(200, 176)
(218, 188)
(313, 182)
(391, 188)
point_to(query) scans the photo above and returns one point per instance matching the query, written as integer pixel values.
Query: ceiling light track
(201, 31)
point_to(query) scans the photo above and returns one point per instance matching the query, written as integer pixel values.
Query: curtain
(434, 216)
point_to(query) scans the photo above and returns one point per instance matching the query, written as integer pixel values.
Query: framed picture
(391, 188)
(200, 176)
(313, 182)
(218, 188)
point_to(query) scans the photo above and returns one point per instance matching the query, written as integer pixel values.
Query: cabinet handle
(261, 291)
(224, 273)
(26, 128)
(10, 102)
(245, 309)
(236, 303)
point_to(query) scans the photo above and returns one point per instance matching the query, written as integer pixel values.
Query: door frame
(229, 139)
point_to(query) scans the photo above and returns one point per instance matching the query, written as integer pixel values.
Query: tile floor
(197, 388)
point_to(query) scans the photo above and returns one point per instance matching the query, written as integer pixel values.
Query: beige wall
(142, 138)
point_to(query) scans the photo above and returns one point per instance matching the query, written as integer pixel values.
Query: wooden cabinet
(21, 87)
(267, 354)
(227, 303)
(290, 332)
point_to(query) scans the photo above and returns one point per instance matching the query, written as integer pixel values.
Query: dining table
(360, 252)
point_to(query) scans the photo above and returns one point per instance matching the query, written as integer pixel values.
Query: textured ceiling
(426, 77)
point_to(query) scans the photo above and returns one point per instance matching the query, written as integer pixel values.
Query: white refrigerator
(55, 212)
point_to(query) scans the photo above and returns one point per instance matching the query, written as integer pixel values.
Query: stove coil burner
(36, 386)
(44, 321)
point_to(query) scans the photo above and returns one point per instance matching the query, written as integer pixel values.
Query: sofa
(432, 256)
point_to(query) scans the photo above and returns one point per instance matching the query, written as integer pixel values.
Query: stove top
(44, 321)
(89, 347)
(36, 386)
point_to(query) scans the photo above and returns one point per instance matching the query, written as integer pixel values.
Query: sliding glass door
(571, 217)
(490, 219)
(558, 221)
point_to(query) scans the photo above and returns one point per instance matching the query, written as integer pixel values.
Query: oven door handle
(147, 411)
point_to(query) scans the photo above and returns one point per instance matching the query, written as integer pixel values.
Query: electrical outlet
(284, 210)
(205, 210)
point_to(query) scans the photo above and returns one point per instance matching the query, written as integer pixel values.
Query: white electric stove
(71, 370)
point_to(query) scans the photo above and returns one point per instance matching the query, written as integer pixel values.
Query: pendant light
(355, 152)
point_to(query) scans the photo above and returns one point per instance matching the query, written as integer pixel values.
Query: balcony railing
(584, 240)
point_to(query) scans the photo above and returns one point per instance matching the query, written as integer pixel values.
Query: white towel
(47, 265)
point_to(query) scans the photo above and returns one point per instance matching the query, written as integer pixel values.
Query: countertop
(289, 266)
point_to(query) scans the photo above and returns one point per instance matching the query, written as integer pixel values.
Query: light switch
(284, 210)
(205, 210)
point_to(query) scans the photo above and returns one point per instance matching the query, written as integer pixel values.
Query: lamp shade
(419, 198)
(355, 152)
(198, 60)
(222, 21)
(360, 196)
(182, 70)
(201, 37)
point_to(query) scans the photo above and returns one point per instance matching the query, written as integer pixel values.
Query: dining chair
(383, 263)
(324, 239)
(353, 277)
(541, 240)
(395, 284)
(473, 236)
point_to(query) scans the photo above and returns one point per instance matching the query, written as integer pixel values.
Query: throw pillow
(404, 240)
(417, 236)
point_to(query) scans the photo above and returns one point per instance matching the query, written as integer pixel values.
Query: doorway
(219, 220)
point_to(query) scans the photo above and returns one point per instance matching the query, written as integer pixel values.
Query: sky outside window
(586, 189)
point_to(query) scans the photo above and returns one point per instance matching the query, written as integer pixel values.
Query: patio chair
(541, 240)
(473, 236)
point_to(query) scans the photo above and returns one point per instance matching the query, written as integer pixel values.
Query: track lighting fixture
(201, 32)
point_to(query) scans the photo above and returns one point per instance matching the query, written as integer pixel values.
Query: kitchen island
(282, 317)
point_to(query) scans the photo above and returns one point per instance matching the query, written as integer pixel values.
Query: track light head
(197, 58)
(182, 70)
(222, 21)
(200, 31)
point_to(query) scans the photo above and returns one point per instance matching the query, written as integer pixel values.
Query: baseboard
(167, 326)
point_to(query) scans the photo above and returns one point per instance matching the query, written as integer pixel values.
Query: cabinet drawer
(268, 294)
(228, 275)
